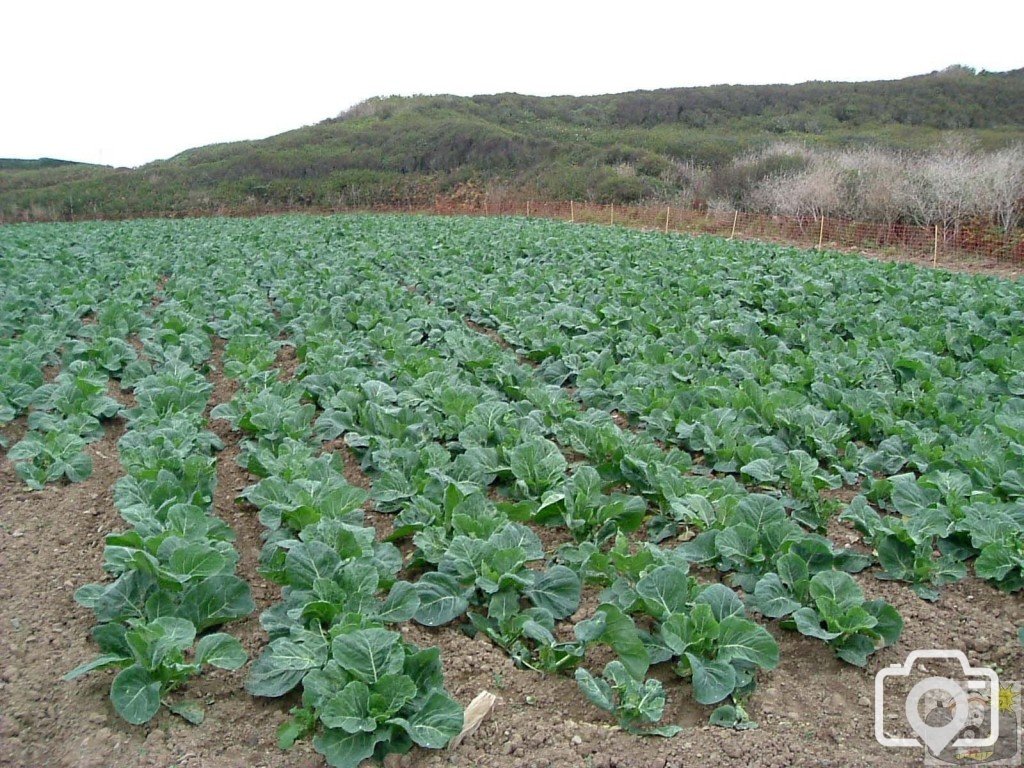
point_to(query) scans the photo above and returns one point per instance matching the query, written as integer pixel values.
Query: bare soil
(286, 362)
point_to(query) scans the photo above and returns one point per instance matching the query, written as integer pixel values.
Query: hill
(15, 164)
(618, 148)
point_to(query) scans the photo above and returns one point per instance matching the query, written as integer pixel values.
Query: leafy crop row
(173, 569)
(365, 690)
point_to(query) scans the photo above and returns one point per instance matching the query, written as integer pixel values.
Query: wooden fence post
(821, 232)
(735, 218)
(527, 209)
(572, 212)
(935, 250)
(612, 222)
(668, 212)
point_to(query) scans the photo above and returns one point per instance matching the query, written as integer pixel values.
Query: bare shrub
(873, 184)
(693, 180)
(945, 186)
(1002, 186)
(720, 205)
(948, 186)
(813, 192)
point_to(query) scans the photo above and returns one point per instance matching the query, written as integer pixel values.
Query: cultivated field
(317, 482)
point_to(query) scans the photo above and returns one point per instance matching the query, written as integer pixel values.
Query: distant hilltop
(14, 164)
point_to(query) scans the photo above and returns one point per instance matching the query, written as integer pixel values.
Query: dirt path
(51, 543)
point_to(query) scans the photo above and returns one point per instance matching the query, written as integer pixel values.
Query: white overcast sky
(124, 83)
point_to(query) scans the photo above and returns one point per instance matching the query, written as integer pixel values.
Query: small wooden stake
(612, 222)
(821, 232)
(572, 212)
(735, 218)
(527, 209)
(668, 212)
(935, 251)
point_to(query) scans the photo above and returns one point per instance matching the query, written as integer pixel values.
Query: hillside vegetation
(677, 143)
